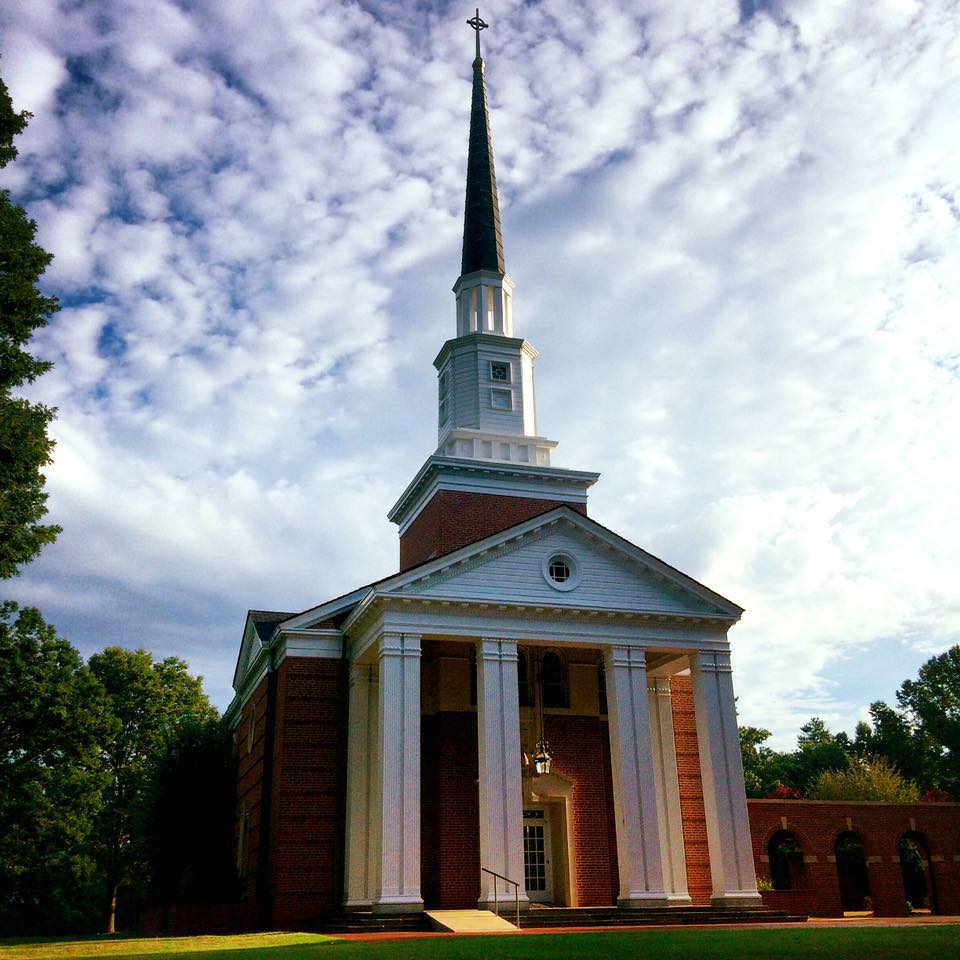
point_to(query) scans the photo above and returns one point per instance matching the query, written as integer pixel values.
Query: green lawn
(794, 943)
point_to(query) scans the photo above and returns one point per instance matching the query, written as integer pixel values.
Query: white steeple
(486, 397)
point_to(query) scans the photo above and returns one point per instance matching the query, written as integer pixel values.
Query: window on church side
(444, 394)
(553, 681)
(501, 399)
(523, 679)
(251, 727)
(559, 570)
(602, 688)
(500, 371)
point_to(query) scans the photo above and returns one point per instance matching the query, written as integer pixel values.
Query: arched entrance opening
(787, 870)
(917, 876)
(852, 872)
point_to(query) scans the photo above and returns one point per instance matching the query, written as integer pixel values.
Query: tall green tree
(25, 447)
(52, 716)
(149, 702)
(932, 704)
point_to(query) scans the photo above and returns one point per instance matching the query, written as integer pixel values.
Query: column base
(737, 900)
(679, 899)
(643, 901)
(356, 906)
(398, 905)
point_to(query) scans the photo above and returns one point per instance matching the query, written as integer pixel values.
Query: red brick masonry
(818, 824)
(452, 519)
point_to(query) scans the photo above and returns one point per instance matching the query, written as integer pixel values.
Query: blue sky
(735, 233)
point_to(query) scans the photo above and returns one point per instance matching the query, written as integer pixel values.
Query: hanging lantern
(541, 758)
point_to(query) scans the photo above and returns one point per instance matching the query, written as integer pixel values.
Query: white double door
(537, 859)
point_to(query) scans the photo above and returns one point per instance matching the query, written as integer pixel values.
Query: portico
(424, 651)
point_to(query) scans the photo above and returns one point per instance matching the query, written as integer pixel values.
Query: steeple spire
(482, 242)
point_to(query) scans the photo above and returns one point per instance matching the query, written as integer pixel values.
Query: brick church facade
(530, 696)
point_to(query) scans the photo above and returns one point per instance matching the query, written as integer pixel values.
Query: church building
(532, 708)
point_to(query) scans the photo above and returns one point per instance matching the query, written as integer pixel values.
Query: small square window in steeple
(500, 371)
(501, 399)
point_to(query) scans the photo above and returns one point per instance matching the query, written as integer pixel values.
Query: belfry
(532, 712)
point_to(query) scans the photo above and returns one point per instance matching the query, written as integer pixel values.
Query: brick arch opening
(851, 857)
(917, 872)
(785, 854)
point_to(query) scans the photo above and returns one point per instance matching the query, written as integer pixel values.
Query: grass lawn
(795, 943)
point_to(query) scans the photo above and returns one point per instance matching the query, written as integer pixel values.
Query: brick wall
(450, 813)
(307, 835)
(696, 853)
(580, 749)
(454, 518)
(250, 785)
(817, 825)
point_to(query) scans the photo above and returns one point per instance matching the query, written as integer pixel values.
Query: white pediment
(608, 573)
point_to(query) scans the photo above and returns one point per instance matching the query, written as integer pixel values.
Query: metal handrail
(496, 901)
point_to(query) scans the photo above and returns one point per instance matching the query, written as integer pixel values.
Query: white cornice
(485, 476)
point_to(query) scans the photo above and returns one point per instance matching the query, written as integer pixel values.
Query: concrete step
(559, 917)
(364, 921)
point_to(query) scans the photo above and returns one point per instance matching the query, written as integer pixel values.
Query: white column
(634, 796)
(721, 769)
(361, 784)
(398, 888)
(501, 789)
(668, 791)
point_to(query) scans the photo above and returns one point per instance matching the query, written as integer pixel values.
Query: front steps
(365, 921)
(560, 917)
(545, 918)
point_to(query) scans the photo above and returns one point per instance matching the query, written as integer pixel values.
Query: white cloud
(736, 246)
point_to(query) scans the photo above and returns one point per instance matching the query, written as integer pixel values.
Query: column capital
(623, 655)
(497, 648)
(659, 686)
(399, 645)
(712, 661)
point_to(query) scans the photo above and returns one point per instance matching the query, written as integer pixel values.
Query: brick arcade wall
(307, 831)
(453, 518)
(696, 853)
(817, 824)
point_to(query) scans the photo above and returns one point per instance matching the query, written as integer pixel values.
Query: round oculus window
(560, 571)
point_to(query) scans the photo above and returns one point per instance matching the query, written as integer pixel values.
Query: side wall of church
(307, 810)
(453, 518)
(249, 748)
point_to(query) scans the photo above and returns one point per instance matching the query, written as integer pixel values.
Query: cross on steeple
(477, 25)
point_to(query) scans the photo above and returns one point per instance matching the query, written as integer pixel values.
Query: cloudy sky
(735, 232)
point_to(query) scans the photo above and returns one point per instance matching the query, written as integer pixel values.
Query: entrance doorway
(537, 859)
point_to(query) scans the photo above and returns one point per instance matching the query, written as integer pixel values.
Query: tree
(891, 735)
(52, 714)
(149, 704)
(25, 446)
(189, 830)
(760, 768)
(932, 703)
(869, 779)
